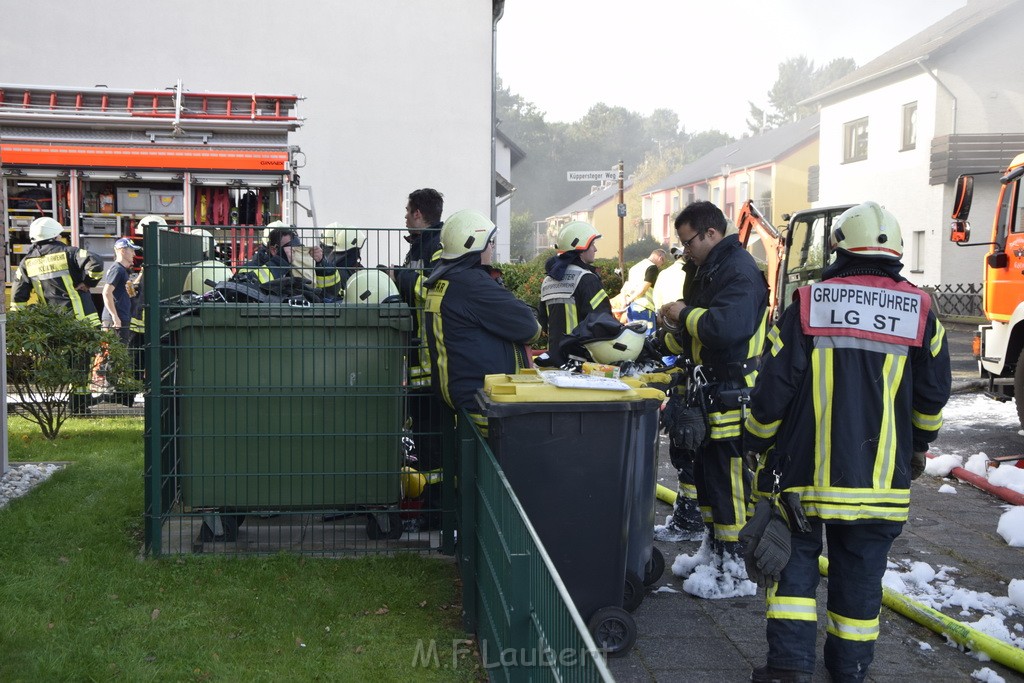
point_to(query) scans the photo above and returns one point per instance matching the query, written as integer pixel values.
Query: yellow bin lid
(527, 386)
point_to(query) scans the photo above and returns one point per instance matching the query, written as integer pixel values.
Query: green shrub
(50, 356)
(640, 249)
(524, 279)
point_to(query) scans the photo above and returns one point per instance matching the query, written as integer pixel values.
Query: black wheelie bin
(571, 456)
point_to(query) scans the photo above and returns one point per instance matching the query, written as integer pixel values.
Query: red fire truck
(99, 159)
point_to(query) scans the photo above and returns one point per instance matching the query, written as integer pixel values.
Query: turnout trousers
(723, 487)
(857, 555)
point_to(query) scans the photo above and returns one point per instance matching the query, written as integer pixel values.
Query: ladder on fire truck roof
(46, 105)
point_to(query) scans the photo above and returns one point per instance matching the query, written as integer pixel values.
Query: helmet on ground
(159, 220)
(344, 237)
(576, 236)
(370, 286)
(44, 228)
(270, 227)
(413, 482)
(196, 280)
(466, 232)
(868, 230)
(627, 345)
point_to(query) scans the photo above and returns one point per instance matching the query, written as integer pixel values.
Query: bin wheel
(633, 594)
(393, 520)
(614, 630)
(655, 568)
(228, 522)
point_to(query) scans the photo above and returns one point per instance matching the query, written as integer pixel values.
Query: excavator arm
(750, 221)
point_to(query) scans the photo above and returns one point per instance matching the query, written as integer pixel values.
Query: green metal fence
(526, 624)
(277, 426)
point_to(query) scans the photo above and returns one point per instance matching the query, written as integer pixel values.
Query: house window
(909, 126)
(675, 202)
(917, 265)
(855, 140)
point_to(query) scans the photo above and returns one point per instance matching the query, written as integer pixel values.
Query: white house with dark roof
(900, 129)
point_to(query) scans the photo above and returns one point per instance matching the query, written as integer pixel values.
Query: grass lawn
(79, 602)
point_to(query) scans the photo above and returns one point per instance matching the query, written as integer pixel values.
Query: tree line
(651, 147)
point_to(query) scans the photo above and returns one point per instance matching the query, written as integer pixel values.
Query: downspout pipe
(497, 12)
(942, 85)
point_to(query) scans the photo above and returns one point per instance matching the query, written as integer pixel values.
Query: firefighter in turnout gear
(849, 396)
(475, 327)
(344, 245)
(284, 255)
(572, 288)
(719, 325)
(59, 274)
(685, 523)
(423, 221)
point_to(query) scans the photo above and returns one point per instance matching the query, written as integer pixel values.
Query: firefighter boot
(684, 524)
(767, 674)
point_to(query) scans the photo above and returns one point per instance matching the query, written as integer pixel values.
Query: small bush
(640, 249)
(524, 279)
(50, 356)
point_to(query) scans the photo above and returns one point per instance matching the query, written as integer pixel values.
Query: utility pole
(622, 225)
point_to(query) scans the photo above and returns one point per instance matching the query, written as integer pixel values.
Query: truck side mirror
(959, 232)
(962, 198)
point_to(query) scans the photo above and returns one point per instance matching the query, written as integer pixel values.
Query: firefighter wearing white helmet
(60, 275)
(475, 327)
(572, 289)
(208, 243)
(143, 222)
(371, 286)
(343, 250)
(285, 255)
(844, 409)
(868, 230)
(273, 225)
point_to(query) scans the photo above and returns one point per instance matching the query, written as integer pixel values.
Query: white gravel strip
(22, 478)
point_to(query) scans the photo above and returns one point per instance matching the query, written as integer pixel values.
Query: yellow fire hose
(960, 633)
(665, 494)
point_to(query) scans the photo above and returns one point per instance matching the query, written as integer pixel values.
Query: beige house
(600, 209)
(773, 169)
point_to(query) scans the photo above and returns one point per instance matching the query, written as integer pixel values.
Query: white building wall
(896, 179)
(398, 93)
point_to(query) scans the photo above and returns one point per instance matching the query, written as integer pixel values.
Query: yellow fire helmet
(465, 232)
(576, 236)
(369, 286)
(196, 280)
(868, 230)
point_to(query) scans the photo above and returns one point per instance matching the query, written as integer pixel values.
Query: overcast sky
(704, 60)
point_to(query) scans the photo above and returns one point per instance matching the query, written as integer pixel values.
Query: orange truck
(98, 159)
(999, 343)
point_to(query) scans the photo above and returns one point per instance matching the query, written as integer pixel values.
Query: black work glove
(766, 540)
(917, 463)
